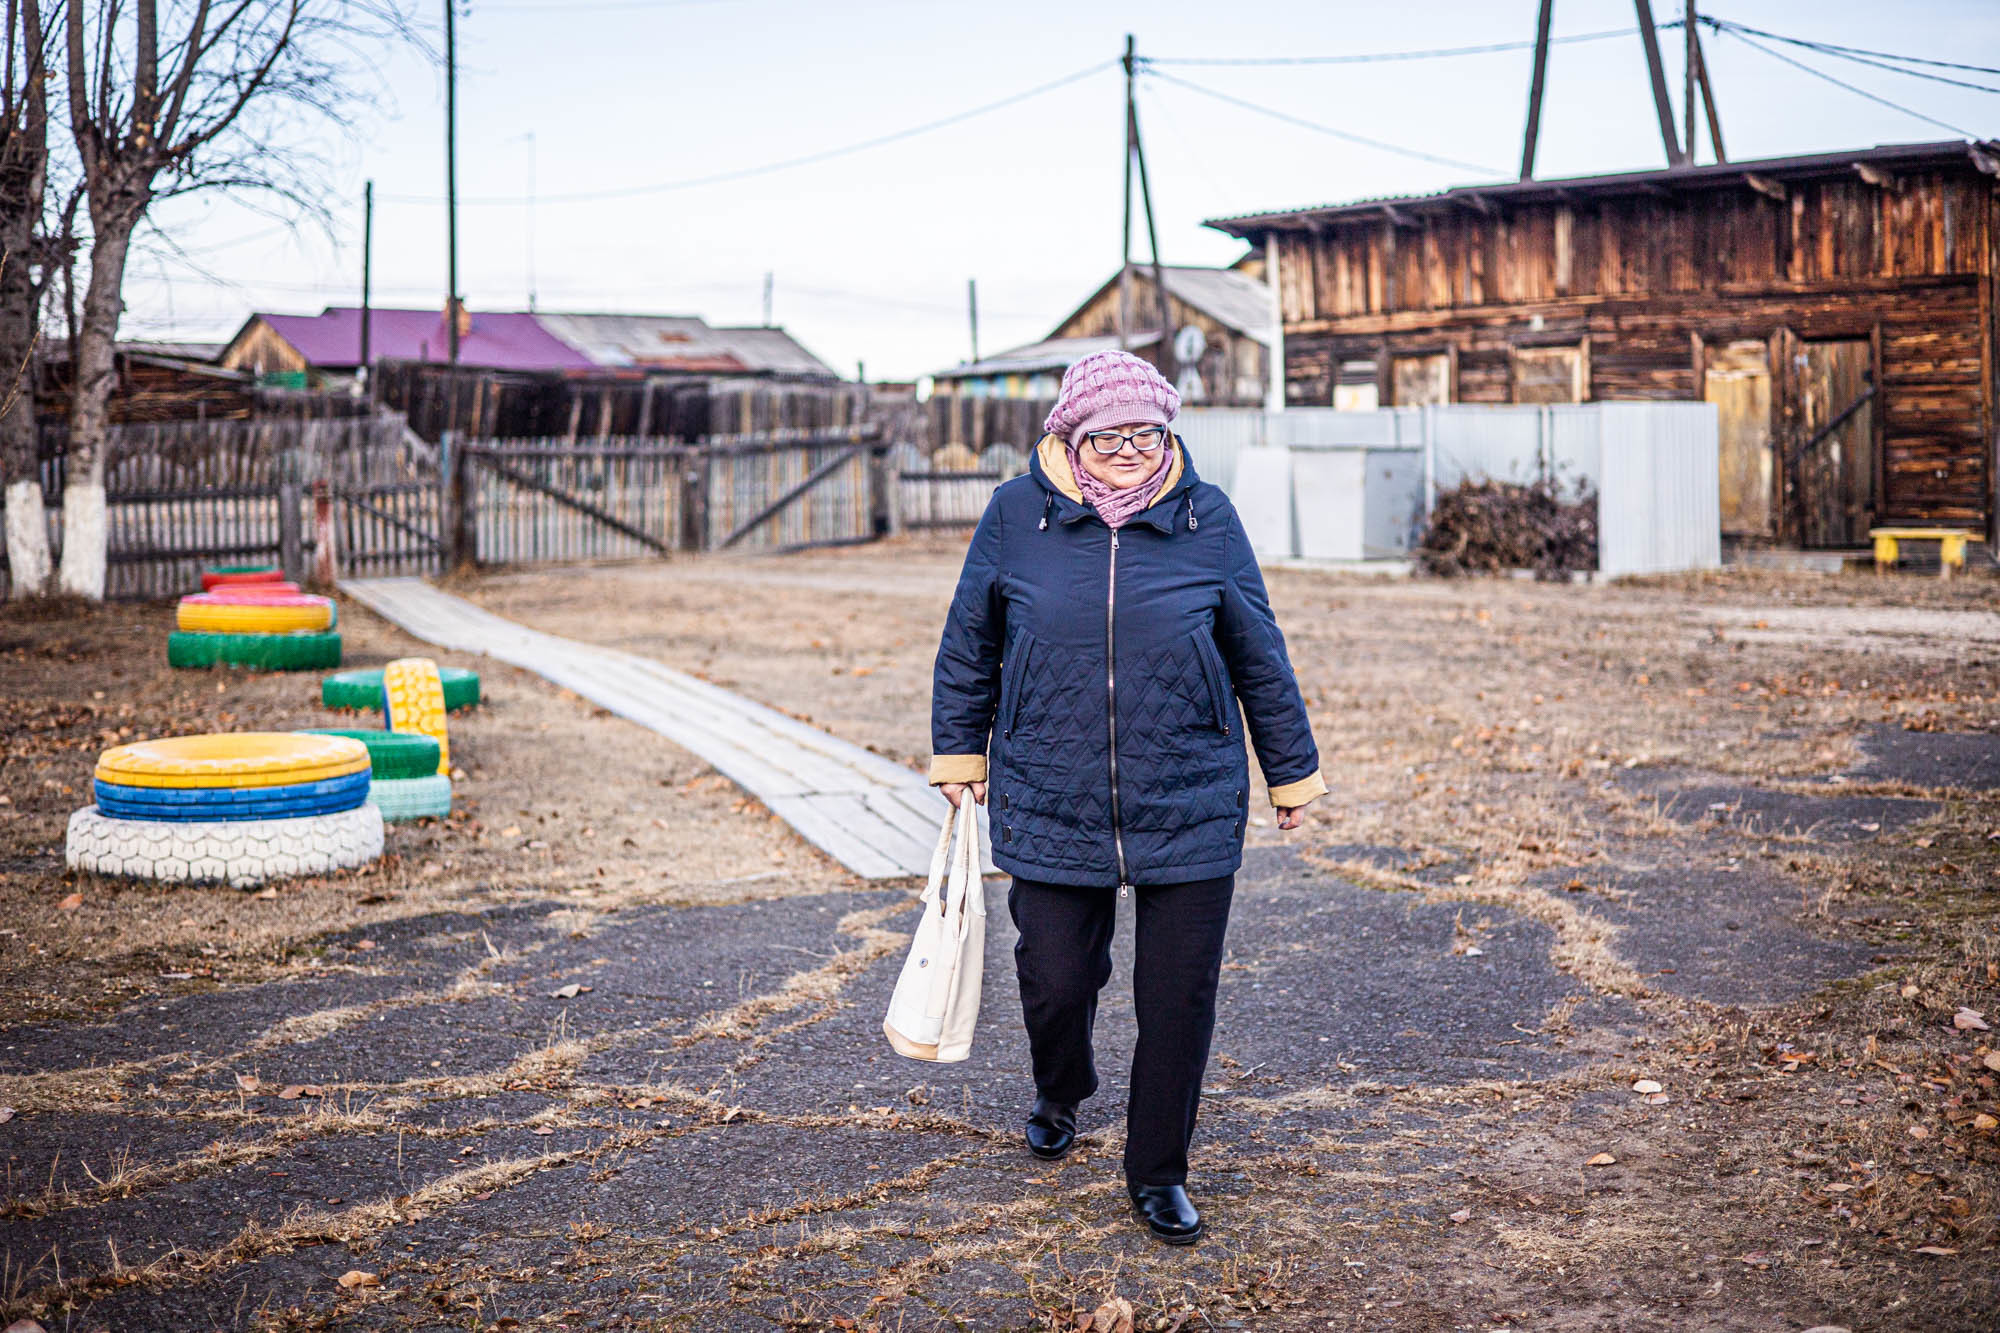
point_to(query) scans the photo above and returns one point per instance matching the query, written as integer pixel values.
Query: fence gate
(387, 509)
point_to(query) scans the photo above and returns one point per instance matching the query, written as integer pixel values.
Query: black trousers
(1063, 958)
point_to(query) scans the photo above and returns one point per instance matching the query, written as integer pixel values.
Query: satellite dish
(1189, 344)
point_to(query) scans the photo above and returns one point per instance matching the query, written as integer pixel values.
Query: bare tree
(24, 171)
(163, 100)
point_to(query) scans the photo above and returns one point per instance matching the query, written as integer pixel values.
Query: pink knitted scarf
(1115, 504)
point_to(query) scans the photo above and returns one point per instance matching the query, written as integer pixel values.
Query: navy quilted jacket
(1105, 669)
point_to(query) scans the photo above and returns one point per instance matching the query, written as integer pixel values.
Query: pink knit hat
(1110, 389)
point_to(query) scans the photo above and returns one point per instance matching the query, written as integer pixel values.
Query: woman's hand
(954, 790)
(1289, 815)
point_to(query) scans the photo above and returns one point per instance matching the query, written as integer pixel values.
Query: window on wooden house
(1551, 374)
(1355, 388)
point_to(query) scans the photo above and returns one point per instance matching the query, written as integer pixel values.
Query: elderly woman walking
(1109, 619)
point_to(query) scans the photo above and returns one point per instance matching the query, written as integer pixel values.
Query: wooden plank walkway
(874, 816)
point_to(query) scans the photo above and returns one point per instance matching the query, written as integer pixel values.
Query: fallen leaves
(6, 1114)
(1602, 1159)
(569, 992)
(1970, 1020)
(1114, 1316)
(1647, 1085)
(249, 1082)
(355, 1278)
(71, 903)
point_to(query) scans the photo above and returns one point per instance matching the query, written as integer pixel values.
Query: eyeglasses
(1110, 441)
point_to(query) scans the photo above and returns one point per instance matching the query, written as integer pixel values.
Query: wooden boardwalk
(874, 816)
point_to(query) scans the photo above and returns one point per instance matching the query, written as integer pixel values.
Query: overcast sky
(872, 250)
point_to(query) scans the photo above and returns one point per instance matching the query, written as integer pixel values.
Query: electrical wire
(765, 169)
(1859, 92)
(1374, 57)
(1314, 125)
(1832, 48)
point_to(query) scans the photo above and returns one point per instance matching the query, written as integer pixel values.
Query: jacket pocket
(1217, 675)
(1011, 673)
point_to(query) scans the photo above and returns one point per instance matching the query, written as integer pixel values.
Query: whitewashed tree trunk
(84, 521)
(28, 565)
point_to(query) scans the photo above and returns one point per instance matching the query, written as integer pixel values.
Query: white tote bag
(936, 1001)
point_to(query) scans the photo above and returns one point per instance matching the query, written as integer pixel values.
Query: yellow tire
(413, 699)
(248, 619)
(232, 759)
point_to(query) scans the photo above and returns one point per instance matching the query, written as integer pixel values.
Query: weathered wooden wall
(1234, 368)
(1646, 285)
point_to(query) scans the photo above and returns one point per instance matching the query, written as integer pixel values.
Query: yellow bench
(1951, 546)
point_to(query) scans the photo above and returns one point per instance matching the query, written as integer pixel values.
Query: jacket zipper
(1111, 690)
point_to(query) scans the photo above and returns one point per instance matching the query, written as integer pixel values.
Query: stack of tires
(235, 808)
(251, 617)
(414, 695)
(406, 784)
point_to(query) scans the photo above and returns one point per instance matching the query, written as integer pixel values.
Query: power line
(1842, 53)
(1832, 48)
(1859, 92)
(786, 164)
(1374, 57)
(1314, 125)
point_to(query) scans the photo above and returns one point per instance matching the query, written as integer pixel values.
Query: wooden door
(1832, 482)
(1549, 374)
(1737, 379)
(1421, 381)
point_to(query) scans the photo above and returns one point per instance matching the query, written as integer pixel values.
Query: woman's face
(1127, 467)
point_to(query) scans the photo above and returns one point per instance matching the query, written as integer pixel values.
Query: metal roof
(1721, 175)
(682, 342)
(1049, 354)
(1229, 296)
(498, 340)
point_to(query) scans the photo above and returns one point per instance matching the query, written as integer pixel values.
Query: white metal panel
(1490, 443)
(1263, 497)
(1214, 436)
(1329, 494)
(1387, 428)
(1393, 509)
(1576, 444)
(1659, 503)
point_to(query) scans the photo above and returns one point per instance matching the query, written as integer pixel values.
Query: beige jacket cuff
(1290, 795)
(959, 768)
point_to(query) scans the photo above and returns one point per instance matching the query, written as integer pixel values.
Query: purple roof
(501, 341)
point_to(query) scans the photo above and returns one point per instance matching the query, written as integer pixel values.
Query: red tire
(222, 578)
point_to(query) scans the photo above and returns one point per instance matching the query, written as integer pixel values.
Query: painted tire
(232, 759)
(392, 755)
(362, 689)
(240, 852)
(413, 700)
(225, 613)
(240, 575)
(307, 650)
(289, 801)
(402, 799)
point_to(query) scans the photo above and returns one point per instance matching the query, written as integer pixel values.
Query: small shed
(1837, 308)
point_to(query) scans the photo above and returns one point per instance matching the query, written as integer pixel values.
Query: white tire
(402, 799)
(239, 852)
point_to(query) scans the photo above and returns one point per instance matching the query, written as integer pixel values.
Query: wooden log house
(1838, 308)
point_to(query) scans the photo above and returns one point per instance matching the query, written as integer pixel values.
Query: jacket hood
(1049, 466)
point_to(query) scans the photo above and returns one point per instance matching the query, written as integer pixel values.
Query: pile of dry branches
(1490, 527)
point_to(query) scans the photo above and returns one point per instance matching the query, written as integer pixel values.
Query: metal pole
(1649, 37)
(363, 363)
(769, 278)
(972, 308)
(1535, 86)
(531, 221)
(451, 178)
(1125, 264)
(1275, 397)
(1166, 345)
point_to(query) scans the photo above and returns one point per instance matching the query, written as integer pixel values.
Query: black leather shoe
(1168, 1211)
(1051, 1128)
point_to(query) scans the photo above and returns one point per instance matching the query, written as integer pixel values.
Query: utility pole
(1138, 154)
(1693, 62)
(1650, 38)
(367, 274)
(1707, 88)
(1535, 86)
(1125, 264)
(531, 221)
(769, 278)
(972, 308)
(451, 177)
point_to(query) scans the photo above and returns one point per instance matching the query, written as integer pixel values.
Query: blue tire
(404, 799)
(289, 801)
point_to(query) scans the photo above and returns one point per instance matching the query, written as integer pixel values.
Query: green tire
(312, 650)
(403, 799)
(392, 755)
(361, 690)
